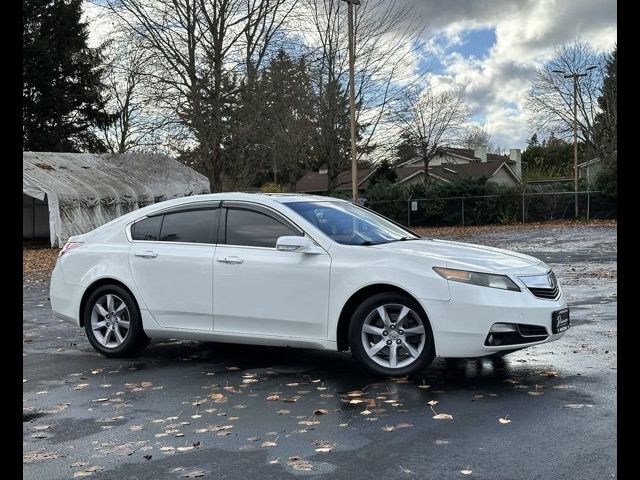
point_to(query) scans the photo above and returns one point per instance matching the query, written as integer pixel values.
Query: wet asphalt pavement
(201, 410)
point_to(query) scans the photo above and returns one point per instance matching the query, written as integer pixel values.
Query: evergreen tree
(405, 150)
(385, 173)
(606, 129)
(62, 87)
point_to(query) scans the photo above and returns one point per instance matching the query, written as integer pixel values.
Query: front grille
(546, 293)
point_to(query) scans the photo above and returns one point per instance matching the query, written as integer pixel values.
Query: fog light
(503, 328)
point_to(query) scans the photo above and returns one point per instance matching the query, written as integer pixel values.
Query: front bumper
(461, 325)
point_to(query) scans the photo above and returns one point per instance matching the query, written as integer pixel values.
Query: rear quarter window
(146, 229)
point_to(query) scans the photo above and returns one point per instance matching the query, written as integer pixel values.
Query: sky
(490, 49)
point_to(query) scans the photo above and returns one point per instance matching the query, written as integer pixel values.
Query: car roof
(278, 197)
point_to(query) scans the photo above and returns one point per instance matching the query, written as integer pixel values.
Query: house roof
(319, 182)
(316, 182)
(449, 173)
(469, 154)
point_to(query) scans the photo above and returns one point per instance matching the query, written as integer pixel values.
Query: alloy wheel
(110, 320)
(393, 335)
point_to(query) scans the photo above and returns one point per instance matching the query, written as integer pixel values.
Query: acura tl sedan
(301, 271)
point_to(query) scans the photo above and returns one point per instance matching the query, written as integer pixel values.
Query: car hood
(469, 256)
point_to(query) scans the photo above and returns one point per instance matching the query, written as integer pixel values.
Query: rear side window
(147, 229)
(254, 229)
(194, 226)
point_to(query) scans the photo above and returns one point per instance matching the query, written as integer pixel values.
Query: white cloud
(526, 32)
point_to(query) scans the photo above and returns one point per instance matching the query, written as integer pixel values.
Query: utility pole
(575, 77)
(352, 101)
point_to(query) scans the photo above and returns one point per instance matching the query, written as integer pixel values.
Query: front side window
(192, 226)
(147, 228)
(254, 229)
(350, 224)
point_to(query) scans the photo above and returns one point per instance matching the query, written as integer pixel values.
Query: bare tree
(138, 125)
(197, 47)
(550, 98)
(385, 32)
(478, 136)
(431, 120)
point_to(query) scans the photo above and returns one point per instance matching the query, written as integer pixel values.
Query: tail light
(69, 246)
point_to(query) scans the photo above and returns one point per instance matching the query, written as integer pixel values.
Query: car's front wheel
(390, 335)
(112, 322)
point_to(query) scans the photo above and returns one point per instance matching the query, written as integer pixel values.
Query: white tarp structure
(84, 191)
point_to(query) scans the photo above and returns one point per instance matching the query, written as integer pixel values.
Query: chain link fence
(495, 209)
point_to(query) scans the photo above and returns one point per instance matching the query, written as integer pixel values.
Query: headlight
(475, 278)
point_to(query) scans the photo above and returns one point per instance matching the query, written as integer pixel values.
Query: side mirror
(293, 244)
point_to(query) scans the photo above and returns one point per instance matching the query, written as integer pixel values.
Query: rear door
(262, 291)
(171, 262)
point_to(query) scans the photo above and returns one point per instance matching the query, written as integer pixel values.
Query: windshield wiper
(404, 239)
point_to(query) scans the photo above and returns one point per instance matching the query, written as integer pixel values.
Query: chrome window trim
(127, 227)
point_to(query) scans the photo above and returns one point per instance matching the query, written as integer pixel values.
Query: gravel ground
(207, 410)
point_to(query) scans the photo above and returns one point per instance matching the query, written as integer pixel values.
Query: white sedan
(301, 271)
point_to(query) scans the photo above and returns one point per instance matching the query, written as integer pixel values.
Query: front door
(262, 291)
(171, 262)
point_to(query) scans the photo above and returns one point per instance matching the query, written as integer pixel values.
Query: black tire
(134, 341)
(358, 318)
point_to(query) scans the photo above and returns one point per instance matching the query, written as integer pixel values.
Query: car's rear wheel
(390, 335)
(112, 322)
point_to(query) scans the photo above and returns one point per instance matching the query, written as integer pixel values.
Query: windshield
(350, 224)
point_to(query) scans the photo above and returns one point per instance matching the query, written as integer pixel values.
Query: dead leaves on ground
(391, 428)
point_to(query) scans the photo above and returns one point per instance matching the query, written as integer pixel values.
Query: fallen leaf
(184, 449)
(365, 412)
(404, 425)
(233, 369)
(442, 416)
(466, 471)
(249, 380)
(356, 401)
(292, 384)
(193, 474)
(269, 443)
(273, 397)
(321, 411)
(323, 449)
(404, 470)
(104, 399)
(308, 422)
(135, 428)
(283, 412)
(80, 386)
(432, 402)
(298, 464)
(504, 420)
(389, 428)
(535, 393)
(41, 427)
(578, 405)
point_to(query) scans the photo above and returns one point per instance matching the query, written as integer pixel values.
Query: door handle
(230, 259)
(146, 254)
